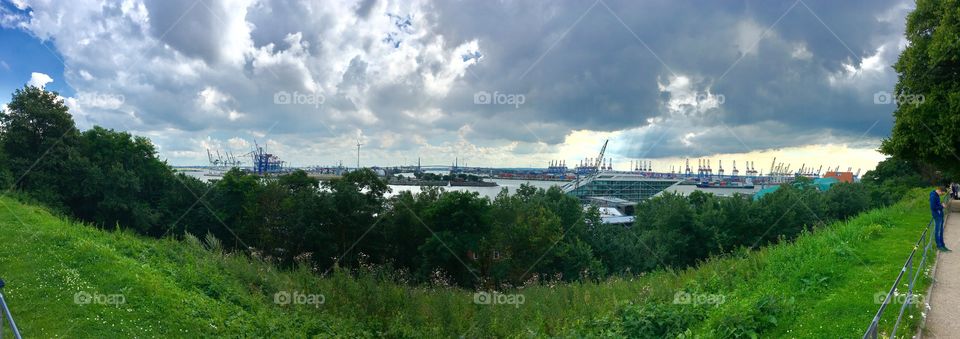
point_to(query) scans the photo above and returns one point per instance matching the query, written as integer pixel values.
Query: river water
(491, 192)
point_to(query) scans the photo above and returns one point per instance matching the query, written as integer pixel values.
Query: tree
(892, 178)
(402, 227)
(894, 170)
(668, 229)
(298, 180)
(459, 221)
(122, 182)
(356, 202)
(37, 134)
(232, 196)
(6, 178)
(844, 200)
(182, 213)
(927, 118)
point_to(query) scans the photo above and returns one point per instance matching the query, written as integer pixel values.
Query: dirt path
(943, 319)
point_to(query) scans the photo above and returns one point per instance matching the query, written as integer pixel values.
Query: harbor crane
(227, 159)
(603, 150)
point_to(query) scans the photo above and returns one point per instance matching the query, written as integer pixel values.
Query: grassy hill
(70, 280)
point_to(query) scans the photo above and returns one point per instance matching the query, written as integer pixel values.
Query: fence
(926, 241)
(6, 313)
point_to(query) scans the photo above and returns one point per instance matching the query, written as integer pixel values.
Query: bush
(659, 319)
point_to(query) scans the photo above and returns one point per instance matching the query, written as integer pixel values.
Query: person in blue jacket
(936, 208)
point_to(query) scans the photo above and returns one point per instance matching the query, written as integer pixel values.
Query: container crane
(599, 162)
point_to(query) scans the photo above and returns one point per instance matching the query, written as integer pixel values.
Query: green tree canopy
(37, 133)
(927, 118)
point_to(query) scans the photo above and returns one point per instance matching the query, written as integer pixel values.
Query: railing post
(6, 312)
(907, 295)
(926, 241)
(2, 312)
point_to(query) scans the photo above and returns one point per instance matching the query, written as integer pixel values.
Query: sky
(488, 83)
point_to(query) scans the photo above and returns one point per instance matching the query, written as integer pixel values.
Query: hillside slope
(828, 283)
(71, 280)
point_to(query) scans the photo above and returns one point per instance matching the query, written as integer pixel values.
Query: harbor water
(491, 192)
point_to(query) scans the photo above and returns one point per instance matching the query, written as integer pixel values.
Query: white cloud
(401, 69)
(870, 72)
(39, 79)
(451, 66)
(210, 99)
(20, 4)
(86, 75)
(749, 36)
(237, 143)
(686, 99)
(801, 52)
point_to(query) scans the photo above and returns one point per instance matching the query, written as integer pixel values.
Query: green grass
(824, 284)
(821, 285)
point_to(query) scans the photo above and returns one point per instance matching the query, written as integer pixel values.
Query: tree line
(113, 180)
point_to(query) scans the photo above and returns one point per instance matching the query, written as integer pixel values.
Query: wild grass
(823, 284)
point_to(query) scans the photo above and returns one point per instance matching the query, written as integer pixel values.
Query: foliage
(122, 181)
(38, 136)
(928, 112)
(823, 285)
(892, 178)
(6, 177)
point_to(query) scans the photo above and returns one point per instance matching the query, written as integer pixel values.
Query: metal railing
(6, 313)
(926, 241)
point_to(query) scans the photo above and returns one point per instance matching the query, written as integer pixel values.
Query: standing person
(936, 209)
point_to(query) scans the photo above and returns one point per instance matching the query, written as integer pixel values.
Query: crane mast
(603, 150)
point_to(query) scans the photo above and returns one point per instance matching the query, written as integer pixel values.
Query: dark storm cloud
(770, 60)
